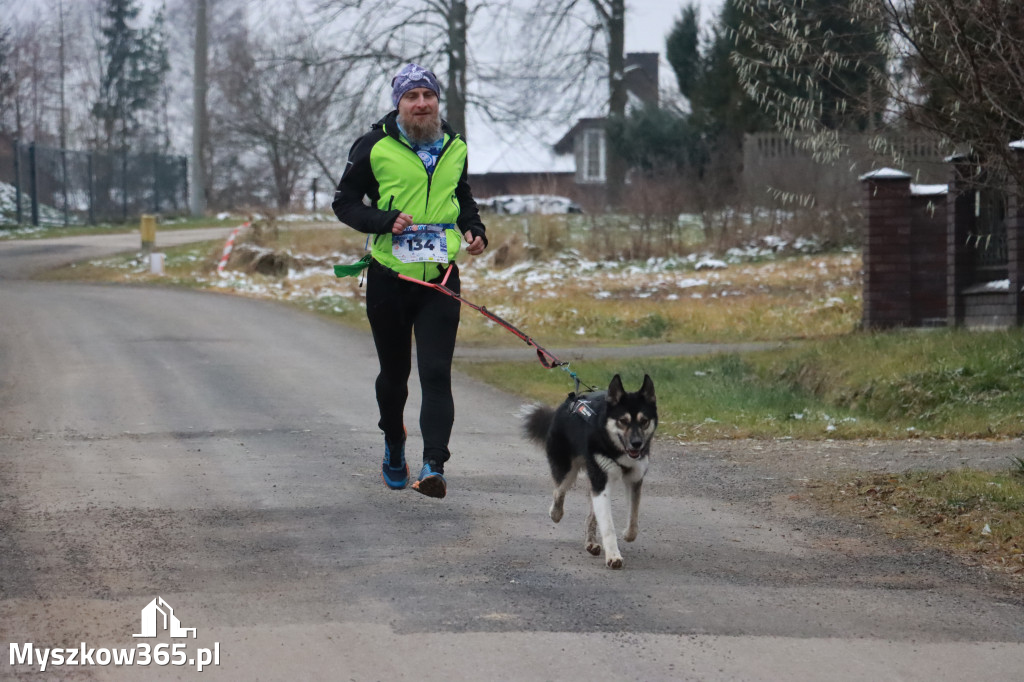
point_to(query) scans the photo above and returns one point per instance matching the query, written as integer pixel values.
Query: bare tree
(33, 82)
(384, 34)
(288, 105)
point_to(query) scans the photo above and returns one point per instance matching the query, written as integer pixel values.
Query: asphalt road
(222, 453)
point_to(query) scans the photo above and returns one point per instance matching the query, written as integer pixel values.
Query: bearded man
(406, 186)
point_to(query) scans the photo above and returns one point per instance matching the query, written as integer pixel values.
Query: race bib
(422, 244)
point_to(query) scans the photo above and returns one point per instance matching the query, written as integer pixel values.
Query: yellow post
(147, 229)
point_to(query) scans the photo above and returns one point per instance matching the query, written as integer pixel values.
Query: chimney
(642, 76)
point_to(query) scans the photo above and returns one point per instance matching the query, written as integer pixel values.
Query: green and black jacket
(383, 167)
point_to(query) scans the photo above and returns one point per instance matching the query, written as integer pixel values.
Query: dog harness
(580, 406)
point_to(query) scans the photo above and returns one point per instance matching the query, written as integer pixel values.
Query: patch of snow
(711, 264)
(885, 174)
(928, 190)
(998, 285)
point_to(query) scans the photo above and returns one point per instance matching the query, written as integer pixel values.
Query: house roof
(564, 145)
(641, 74)
(503, 148)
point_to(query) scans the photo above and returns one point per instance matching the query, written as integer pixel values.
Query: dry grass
(555, 292)
(971, 514)
(572, 302)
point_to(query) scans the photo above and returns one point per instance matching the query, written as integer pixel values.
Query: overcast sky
(649, 21)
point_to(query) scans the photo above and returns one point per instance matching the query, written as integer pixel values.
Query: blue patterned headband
(412, 76)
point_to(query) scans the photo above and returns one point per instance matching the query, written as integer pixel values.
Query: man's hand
(403, 221)
(476, 245)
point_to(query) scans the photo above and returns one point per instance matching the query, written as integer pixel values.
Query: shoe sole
(431, 486)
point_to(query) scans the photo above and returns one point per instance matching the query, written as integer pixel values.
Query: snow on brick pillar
(1015, 237)
(960, 214)
(887, 261)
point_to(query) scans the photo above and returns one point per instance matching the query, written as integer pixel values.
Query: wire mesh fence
(48, 186)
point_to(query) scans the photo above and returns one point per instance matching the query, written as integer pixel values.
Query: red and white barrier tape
(228, 245)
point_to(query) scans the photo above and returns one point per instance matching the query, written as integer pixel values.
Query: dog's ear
(647, 390)
(615, 391)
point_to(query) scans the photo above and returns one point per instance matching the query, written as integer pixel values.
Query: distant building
(575, 166)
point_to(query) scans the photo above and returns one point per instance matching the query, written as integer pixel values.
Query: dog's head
(632, 418)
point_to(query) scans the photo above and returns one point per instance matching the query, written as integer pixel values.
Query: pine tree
(682, 50)
(135, 64)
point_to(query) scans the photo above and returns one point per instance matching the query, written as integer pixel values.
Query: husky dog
(609, 433)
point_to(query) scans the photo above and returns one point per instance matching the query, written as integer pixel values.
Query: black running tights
(397, 309)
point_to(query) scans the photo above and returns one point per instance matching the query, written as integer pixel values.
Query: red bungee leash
(545, 357)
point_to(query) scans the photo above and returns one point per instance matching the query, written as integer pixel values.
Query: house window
(592, 168)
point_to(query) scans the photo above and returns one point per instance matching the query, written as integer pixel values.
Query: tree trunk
(455, 107)
(615, 170)
(199, 114)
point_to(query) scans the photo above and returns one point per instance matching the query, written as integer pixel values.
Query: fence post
(33, 184)
(124, 184)
(156, 183)
(17, 182)
(184, 180)
(1015, 239)
(960, 217)
(92, 189)
(887, 259)
(64, 183)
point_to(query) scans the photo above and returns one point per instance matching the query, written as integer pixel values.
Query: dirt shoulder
(808, 484)
(834, 458)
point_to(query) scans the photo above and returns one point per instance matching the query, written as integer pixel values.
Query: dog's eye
(623, 422)
(643, 422)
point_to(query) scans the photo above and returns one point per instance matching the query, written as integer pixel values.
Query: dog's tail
(537, 421)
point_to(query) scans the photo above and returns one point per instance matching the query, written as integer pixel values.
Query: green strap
(354, 269)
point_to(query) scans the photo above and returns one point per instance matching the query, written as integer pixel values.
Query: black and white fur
(612, 442)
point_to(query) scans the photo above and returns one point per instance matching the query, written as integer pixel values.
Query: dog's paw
(614, 562)
(594, 548)
(556, 513)
(630, 534)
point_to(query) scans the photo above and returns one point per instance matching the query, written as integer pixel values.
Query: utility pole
(199, 117)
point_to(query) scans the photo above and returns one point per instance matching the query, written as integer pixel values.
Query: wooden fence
(774, 165)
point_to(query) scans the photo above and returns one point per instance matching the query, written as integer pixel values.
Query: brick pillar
(960, 213)
(1015, 237)
(887, 261)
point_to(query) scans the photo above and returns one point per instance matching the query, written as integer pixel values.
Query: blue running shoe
(394, 473)
(431, 483)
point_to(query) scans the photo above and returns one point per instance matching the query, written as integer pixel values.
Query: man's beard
(422, 131)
